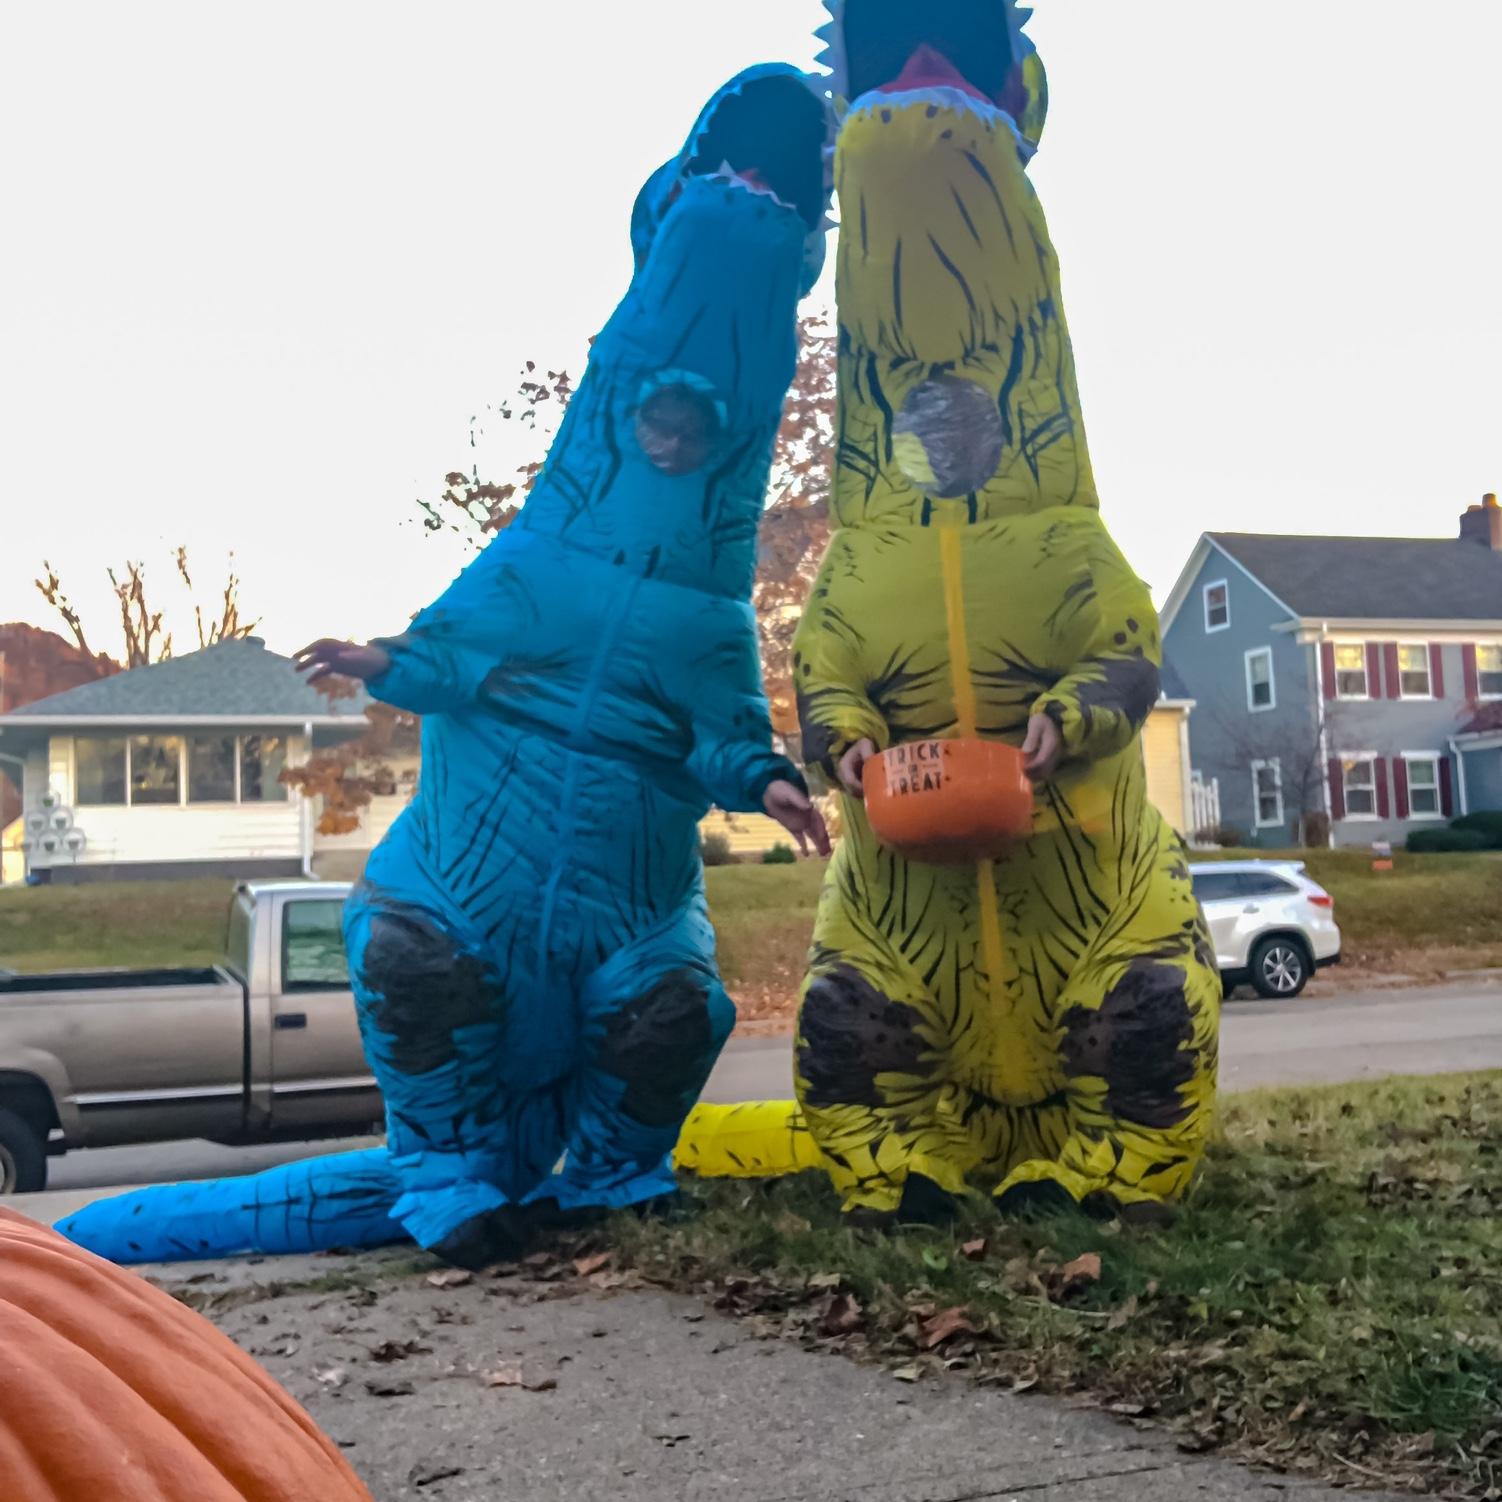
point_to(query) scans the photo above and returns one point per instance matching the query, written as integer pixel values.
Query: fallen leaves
(385, 1387)
(943, 1326)
(513, 1374)
(450, 1277)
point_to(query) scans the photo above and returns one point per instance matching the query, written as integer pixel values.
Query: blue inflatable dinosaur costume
(530, 950)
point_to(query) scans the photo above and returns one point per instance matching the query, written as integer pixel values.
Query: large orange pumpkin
(948, 802)
(112, 1391)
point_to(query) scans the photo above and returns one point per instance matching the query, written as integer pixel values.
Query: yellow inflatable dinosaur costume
(1049, 1030)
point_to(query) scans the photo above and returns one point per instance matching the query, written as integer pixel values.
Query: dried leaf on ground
(975, 1251)
(450, 1277)
(397, 1350)
(384, 1387)
(1121, 1317)
(333, 1377)
(512, 1374)
(426, 1475)
(946, 1324)
(841, 1315)
(1084, 1269)
(584, 1266)
(907, 1373)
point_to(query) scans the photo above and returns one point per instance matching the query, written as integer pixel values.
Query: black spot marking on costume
(850, 1033)
(1128, 686)
(818, 740)
(425, 986)
(1140, 1042)
(661, 1044)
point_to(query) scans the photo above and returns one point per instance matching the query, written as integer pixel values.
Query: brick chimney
(1483, 524)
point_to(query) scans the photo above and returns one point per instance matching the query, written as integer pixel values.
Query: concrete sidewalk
(655, 1398)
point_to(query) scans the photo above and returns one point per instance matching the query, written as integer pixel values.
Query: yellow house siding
(749, 834)
(1163, 755)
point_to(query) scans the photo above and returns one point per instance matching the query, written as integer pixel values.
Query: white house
(175, 770)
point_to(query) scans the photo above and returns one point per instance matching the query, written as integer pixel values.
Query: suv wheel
(1280, 968)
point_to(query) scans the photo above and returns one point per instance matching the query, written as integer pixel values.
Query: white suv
(1270, 924)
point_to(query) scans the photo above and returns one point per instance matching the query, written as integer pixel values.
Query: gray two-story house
(1348, 688)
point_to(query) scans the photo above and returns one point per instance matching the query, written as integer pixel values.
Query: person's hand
(851, 764)
(1043, 749)
(327, 658)
(794, 810)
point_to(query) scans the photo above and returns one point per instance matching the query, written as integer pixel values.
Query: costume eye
(678, 429)
(948, 437)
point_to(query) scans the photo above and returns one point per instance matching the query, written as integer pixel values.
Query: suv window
(313, 956)
(1263, 884)
(1215, 886)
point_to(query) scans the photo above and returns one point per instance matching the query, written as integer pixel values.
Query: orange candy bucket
(951, 802)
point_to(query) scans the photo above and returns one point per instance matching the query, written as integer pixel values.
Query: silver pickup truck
(261, 1047)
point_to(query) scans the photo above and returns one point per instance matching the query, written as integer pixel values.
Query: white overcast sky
(260, 264)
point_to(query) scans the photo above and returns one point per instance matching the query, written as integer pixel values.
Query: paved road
(1360, 1035)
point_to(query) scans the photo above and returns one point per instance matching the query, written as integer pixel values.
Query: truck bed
(12, 984)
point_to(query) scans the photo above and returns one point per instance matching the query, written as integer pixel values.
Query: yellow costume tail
(761, 1139)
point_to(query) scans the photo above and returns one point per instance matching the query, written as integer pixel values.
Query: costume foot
(547, 1216)
(1101, 1204)
(1034, 1200)
(481, 1242)
(927, 1203)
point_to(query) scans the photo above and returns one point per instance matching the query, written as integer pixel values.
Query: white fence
(1204, 808)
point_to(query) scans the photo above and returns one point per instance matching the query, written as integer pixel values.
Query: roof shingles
(235, 679)
(1373, 578)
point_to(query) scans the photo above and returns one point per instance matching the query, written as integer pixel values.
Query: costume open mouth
(768, 137)
(897, 44)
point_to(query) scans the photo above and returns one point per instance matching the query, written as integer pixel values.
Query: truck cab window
(313, 956)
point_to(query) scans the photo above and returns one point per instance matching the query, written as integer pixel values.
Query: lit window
(1359, 774)
(1350, 672)
(1259, 679)
(211, 769)
(156, 769)
(262, 760)
(99, 766)
(1217, 606)
(1413, 672)
(1267, 790)
(1489, 671)
(1423, 787)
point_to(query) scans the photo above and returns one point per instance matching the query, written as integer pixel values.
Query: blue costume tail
(530, 952)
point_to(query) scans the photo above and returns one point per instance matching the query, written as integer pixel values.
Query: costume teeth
(726, 173)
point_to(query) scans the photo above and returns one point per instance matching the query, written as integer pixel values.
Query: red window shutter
(1374, 670)
(1337, 790)
(1446, 788)
(1472, 675)
(1379, 771)
(1437, 670)
(1394, 674)
(1327, 667)
(1400, 786)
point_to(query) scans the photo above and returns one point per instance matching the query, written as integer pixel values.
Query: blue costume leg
(467, 1131)
(655, 1017)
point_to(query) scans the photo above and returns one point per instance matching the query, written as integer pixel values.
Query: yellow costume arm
(834, 706)
(1101, 703)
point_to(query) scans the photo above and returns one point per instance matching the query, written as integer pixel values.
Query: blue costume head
(662, 463)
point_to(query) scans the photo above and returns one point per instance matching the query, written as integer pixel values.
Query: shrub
(1487, 821)
(714, 850)
(780, 855)
(1447, 841)
(1226, 837)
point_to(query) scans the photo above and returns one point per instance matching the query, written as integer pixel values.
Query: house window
(211, 769)
(1259, 679)
(1267, 793)
(1359, 776)
(99, 768)
(1413, 671)
(262, 760)
(1350, 672)
(1489, 671)
(1423, 787)
(1217, 606)
(156, 769)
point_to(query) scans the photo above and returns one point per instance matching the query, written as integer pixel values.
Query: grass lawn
(1434, 912)
(1328, 1302)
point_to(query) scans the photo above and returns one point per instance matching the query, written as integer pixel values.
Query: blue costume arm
(732, 758)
